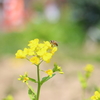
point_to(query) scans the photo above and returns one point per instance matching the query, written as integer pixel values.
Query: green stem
(83, 97)
(39, 85)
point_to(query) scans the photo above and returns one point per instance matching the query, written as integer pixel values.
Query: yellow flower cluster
(89, 68)
(56, 68)
(24, 77)
(37, 52)
(96, 96)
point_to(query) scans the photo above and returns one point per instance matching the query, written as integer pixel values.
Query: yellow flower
(20, 54)
(29, 51)
(46, 57)
(49, 72)
(54, 49)
(60, 70)
(33, 43)
(96, 96)
(47, 44)
(89, 68)
(35, 60)
(41, 52)
(24, 78)
(40, 45)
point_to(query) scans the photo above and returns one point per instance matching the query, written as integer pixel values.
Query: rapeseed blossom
(24, 78)
(89, 68)
(37, 52)
(35, 60)
(96, 96)
(49, 72)
(20, 54)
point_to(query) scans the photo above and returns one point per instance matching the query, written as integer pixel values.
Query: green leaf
(44, 79)
(31, 93)
(55, 67)
(33, 80)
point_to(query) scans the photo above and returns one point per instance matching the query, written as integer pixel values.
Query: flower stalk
(39, 85)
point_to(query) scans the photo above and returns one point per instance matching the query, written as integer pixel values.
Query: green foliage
(69, 35)
(31, 93)
(33, 80)
(64, 32)
(86, 12)
(44, 79)
(57, 69)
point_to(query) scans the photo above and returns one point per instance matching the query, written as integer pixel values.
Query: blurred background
(74, 24)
